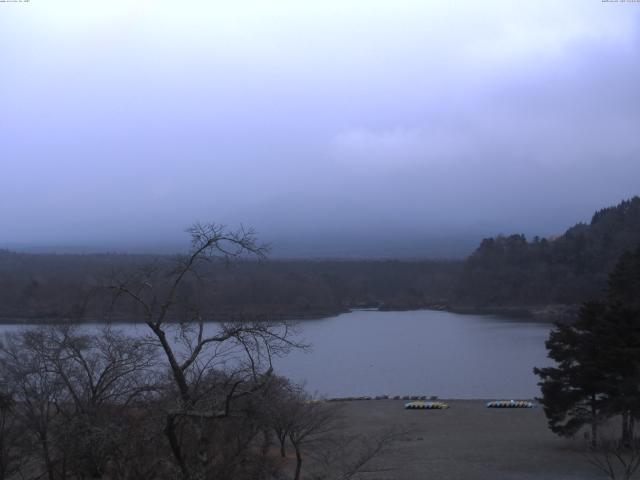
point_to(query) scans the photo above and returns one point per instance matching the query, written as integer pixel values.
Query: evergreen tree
(624, 281)
(574, 392)
(619, 336)
(621, 340)
(598, 359)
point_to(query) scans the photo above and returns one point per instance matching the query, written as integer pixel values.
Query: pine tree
(620, 335)
(574, 393)
(624, 281)
(597, 375)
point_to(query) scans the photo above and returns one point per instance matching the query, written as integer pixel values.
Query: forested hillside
(51, 287)
(505, 271)
(511, 271)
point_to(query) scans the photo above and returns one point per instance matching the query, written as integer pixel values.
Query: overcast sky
(122, 122)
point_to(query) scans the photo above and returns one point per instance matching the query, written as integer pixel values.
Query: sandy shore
(471, 442)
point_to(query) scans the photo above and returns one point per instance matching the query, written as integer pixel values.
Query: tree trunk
(178, 374)
(283, 451)
(48, 464)
(626, 440)
(594, 423)
(170, 432)
(266, 442)
(298, 462)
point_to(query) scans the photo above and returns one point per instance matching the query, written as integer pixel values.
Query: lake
(422, 352)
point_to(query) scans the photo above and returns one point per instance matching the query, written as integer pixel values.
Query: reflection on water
(414, 353)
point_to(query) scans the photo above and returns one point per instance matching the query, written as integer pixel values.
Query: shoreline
(426, 398)
(539, 313)
(536, 313)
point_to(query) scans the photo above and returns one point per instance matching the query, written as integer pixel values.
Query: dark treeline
(505, 271)
(47, 287)
(511, 271)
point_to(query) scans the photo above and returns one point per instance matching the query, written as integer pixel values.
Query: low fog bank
(326, 246)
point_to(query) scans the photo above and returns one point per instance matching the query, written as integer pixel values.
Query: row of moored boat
(419, 405)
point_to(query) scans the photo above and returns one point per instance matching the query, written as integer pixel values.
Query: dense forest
(52, 287)
(511, 271)
(503, 272)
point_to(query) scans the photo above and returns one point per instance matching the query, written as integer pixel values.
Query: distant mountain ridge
(509, 270)
(504, 274)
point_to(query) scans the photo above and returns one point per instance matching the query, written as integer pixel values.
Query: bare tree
(186, 399)
(617, 459)
(72, 392)
(316, 431)
(140, 451)
(38, 392)
(243, 350)
(11, 460)
(343, 456)
(102, 375)
(310, 422)
(285, 399)
(97, 369)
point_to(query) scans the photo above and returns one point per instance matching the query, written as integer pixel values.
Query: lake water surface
(421, 352)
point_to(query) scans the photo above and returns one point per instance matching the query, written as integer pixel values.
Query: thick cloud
(122, 122)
